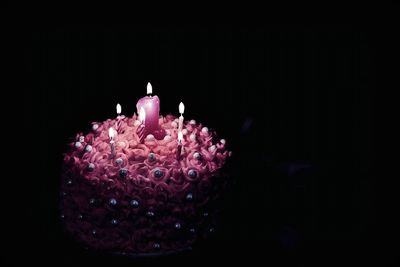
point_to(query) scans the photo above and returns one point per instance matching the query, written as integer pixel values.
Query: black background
(294, 102)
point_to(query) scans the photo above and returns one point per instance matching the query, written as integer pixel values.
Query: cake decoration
(143, 184)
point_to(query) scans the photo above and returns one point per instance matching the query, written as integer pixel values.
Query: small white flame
(149, 89)
(142, 115)
(181, 108)
(119, 109)
(180, 136)
(111, 133)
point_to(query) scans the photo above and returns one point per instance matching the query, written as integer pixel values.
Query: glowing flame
(118, 109)
(180, 136)
(149, 89)
(181, 108)
(142, 115)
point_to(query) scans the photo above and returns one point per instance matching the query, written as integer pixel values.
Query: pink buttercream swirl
(142, 181)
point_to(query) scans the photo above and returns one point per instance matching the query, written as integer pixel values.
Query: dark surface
(293, 102)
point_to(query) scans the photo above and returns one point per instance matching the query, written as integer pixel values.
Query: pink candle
(151, 106)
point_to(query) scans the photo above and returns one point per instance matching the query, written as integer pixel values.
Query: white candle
(119, 117)
(180, 137)
(140, 130)
(179, 149)
(111, 134)
(181, 111)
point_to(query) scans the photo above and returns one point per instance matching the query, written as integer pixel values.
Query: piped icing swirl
(94, 149)
(142, 198)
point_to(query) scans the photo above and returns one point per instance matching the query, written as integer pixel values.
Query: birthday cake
(142, 195)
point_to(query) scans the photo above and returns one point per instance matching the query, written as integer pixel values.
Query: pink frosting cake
(142, 198)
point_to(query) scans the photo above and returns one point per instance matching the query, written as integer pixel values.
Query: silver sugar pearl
(114, 222)
(81, 139)
(134, 203)
(123, 173)
(156, 245)
(212, 230)
(119, 161)
(62, 216)
(205, 214)
(152, 156)
(78, 144)
(150, 137)
(69, 182)
(197, 156)
(80, 216)
(177, 226)
(212, 148)
(92, 201)
(192, 230)
(192, 137)
(158, 173)
(113, 202)
(95, 126)
(192, 173)
(150, 214)
(189, 196)
(94, 232)
(88, 148)
(90, 167)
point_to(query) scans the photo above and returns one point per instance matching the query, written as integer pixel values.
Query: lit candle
(118, 122)
(180, 137)
(181, 110)
(111, 133)
(151, 105)
(140, 130)
(179, 149)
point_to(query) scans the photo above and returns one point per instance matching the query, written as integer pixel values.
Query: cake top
(96, 157)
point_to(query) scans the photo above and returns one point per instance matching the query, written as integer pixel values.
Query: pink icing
(133, 174)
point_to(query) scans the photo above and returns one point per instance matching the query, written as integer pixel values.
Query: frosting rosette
(141, 197)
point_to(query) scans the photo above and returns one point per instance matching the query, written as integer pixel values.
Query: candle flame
(180, 136)
(149, 88)
(111, 133)
(181, 108)
(142, 115)
(118, 109)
